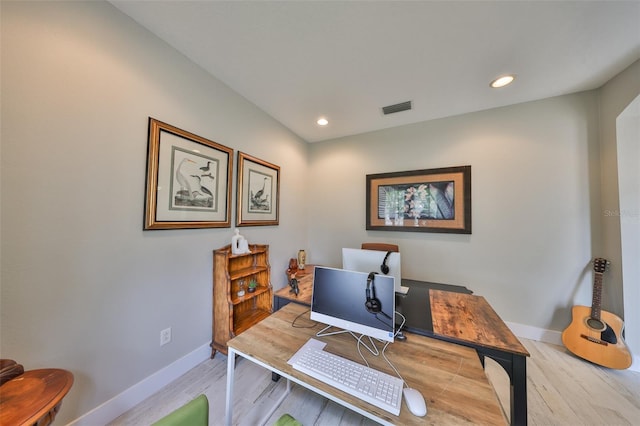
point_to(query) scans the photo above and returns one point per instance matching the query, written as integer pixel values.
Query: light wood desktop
(469, 320)
(305, 287)
(449, 376)
(451, 313)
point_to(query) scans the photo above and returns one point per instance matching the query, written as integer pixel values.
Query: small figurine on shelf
(302, 259)
(291, 276)
(293, 265)
(292, 270)
(241, 288)
(253, 284)
(294, 286)
(239, 244)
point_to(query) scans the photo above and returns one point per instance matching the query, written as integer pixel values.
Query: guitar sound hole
(596, 324)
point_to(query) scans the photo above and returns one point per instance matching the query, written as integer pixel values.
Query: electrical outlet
(165, 336)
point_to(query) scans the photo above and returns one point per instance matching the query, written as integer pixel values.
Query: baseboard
(535, 333)
(131, 397)
(553, 338)
(635, 364)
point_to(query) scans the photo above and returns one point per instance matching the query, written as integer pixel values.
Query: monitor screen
(371, 261)
(340, 299)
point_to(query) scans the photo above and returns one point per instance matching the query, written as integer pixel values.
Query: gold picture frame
(258, 198)
(430, 200)
(188, 180)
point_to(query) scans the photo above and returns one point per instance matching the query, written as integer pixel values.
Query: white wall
(628, 144)
(616, 96)
(83, 286)
(535, 203)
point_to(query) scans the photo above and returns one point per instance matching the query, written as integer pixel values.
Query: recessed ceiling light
(502, 81)
(322, 121)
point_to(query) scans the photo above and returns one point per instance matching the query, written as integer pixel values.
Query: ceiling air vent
(403, 106)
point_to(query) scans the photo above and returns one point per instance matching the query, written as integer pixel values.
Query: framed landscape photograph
(258, 192)
(432, 200)
(188, 180)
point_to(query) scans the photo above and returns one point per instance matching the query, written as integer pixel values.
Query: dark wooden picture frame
(258, 198)
(430, 200)
(188, 180)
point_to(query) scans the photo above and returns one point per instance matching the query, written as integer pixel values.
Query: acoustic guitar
(594, 334)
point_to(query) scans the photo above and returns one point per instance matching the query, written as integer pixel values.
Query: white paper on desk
(311, 343)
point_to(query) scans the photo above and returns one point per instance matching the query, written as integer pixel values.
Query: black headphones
(372, 304)
(384, 267)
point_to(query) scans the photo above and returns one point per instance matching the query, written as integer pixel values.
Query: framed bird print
(188, 180)
(258, 192)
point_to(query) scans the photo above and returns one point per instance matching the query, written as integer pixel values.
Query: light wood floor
(562, 390)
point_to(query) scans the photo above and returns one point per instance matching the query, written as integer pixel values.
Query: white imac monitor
(350, 301)
(372, 261)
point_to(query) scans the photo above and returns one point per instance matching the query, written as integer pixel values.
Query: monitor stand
(402, 290)
(324, 332)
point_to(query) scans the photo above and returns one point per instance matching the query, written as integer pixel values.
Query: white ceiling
(299, 60)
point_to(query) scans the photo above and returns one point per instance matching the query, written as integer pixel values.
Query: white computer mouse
(415, 402)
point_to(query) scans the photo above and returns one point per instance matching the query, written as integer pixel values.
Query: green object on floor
(287, 420)
(193, 413)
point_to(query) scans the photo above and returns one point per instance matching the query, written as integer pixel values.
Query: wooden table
(453, 314)
(34, 397)
(449, 376)
(305, 285)
(470, 320)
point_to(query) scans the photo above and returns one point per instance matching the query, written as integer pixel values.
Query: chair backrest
(9, 369)
(193, 413)
(287, 420)
(381, 247)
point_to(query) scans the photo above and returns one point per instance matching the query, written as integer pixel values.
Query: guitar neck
(596, 302)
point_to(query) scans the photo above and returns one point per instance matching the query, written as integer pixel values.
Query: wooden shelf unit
(233, 314)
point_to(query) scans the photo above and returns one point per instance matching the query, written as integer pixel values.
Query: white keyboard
(370, 385)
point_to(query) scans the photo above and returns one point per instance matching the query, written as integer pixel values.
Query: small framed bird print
(188, 180)
(258, 192)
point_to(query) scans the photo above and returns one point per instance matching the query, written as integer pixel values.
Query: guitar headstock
(600, 265)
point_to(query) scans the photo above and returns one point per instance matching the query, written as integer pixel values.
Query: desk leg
(276, 405)
(519, 391)
(231, 361)
(516, 368)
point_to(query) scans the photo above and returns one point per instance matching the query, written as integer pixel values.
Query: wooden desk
(449, 376)
(470, 320)
(453, 314)
(35, 397)
(305, 285)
